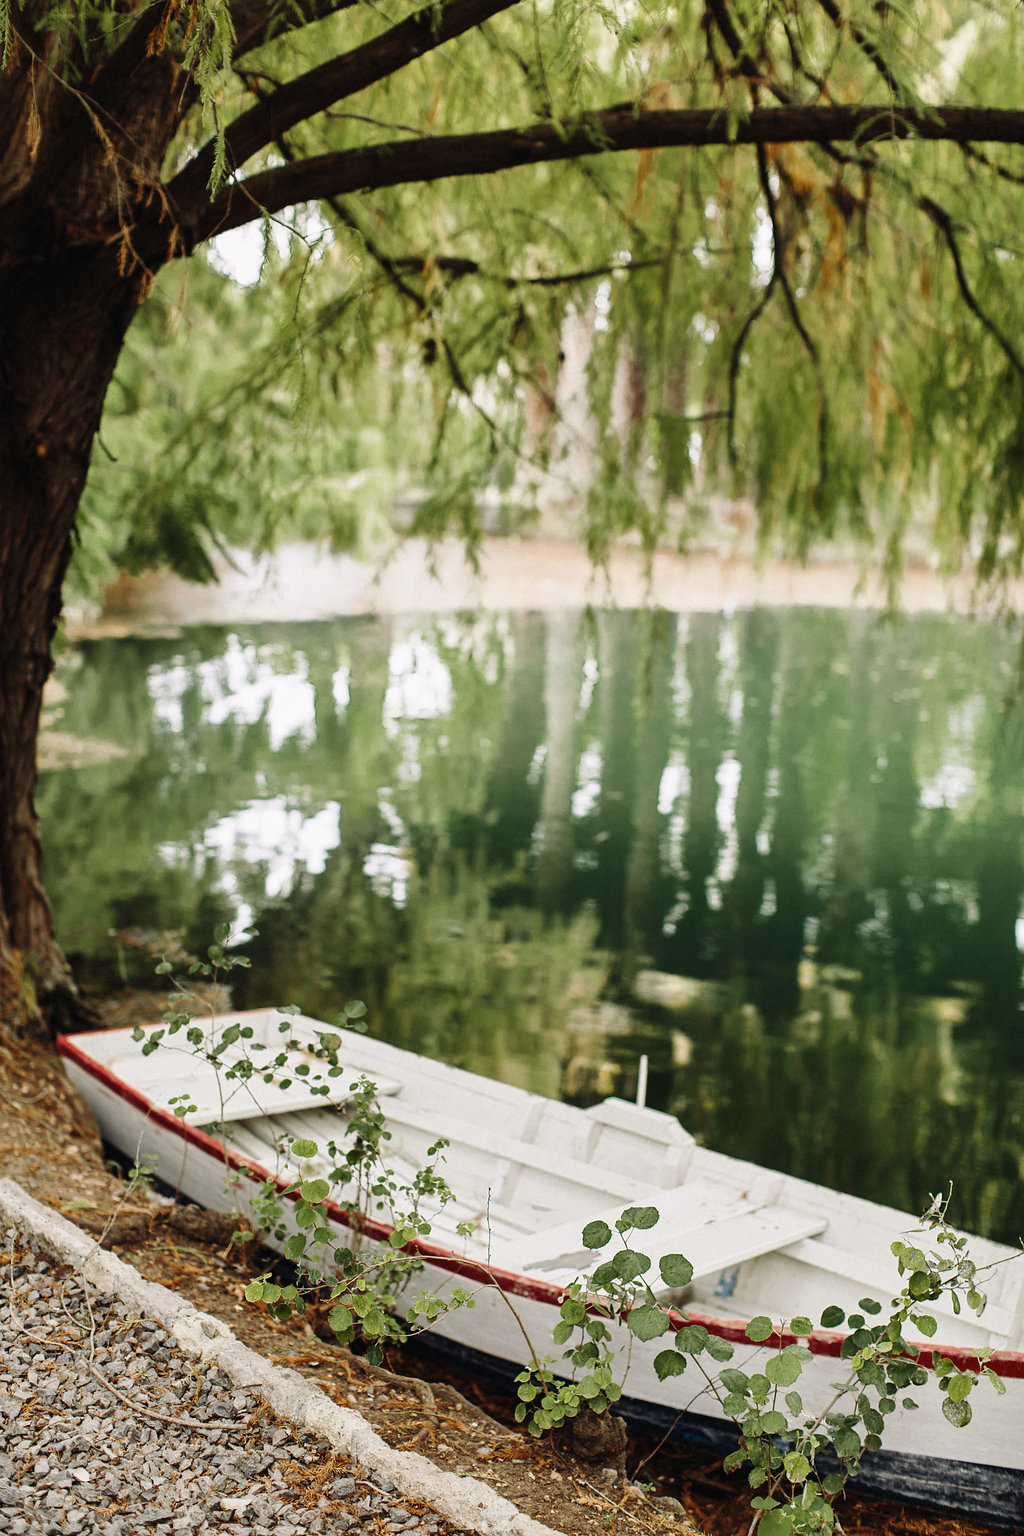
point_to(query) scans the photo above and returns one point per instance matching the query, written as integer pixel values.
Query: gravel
(108, 1429)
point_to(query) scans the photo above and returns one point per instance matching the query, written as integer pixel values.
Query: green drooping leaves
(793, 325)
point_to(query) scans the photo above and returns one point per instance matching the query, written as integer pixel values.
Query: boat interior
(527, 1173)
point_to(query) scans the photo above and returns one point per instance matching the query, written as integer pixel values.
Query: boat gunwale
(1005, 1362)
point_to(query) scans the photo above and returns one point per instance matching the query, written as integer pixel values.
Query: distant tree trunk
(564, 664)
(62, 323)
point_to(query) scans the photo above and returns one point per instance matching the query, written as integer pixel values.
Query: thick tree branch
(339, 78)
(619, 128)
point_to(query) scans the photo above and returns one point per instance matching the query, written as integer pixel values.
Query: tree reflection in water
(778, 851)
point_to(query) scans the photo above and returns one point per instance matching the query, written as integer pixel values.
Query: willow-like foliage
(551, 255)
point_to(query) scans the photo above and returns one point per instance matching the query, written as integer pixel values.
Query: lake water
(779, 852)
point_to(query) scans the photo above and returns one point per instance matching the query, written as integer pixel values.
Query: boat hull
(978, 1471)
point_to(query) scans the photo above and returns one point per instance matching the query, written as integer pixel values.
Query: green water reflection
(779, 852)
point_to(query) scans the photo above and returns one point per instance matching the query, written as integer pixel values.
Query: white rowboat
(528, 1173)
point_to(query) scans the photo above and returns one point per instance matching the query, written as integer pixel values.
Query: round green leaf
(596, 1234)
(692, 1340)
(801, 1326)
(832, 1317)
(777, 1522)
(629, 1265)
(960, 1386)
(675, 1269)
(759, 1329)
(782, 1370)
(797, 1466)
(640, 1216)
(773, 1422)
(647, 1322)
(847, 1443)
(315, 1190)
(958, 1413)
(669, 1363)
(304, 1149)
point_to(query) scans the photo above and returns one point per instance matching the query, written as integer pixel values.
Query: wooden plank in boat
(616, 1132)
(494, 1224)
(712, 1231)
(724, 1244)
(517, 1152)
(161, 1080)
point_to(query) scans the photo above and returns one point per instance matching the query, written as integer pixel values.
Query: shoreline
(300, 582)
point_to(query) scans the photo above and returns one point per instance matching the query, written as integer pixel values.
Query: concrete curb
(466, 1501)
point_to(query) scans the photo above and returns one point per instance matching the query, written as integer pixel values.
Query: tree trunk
(62, 324)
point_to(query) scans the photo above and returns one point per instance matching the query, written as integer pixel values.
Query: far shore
(302, 581)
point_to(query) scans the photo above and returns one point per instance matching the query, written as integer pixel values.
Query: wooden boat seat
(713, 1231)
(615, 1130)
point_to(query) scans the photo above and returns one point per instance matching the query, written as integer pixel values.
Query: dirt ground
(49, 1145)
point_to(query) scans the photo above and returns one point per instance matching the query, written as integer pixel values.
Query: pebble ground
(107, 1429)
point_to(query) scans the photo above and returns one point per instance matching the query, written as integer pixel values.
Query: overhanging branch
(339, 78)
(617, 129)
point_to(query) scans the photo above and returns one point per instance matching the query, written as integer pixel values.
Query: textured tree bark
(79, 172)
(62, 323)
